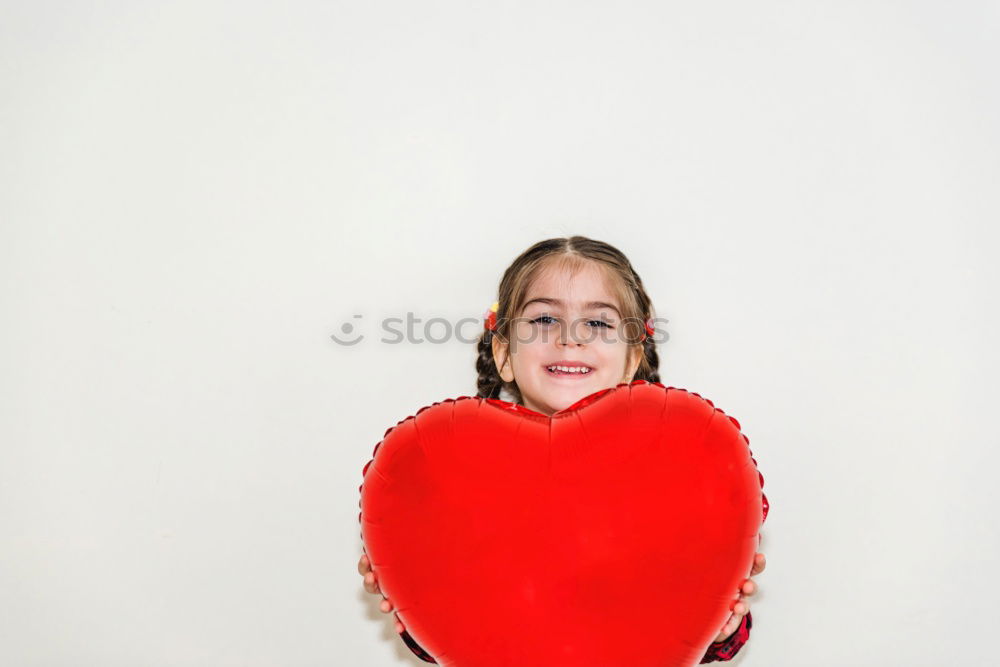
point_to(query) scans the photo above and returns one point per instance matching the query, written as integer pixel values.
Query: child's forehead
(586, 285)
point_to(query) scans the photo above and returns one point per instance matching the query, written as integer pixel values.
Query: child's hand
(742, 606)
(365, 568)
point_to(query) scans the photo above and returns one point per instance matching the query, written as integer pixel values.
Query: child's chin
(563, 397)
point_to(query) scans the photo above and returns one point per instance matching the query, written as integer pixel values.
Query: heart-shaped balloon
(615, 532)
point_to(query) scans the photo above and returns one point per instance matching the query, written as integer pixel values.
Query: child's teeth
(567, 369)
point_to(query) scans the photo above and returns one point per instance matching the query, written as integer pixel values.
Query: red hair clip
(490, 316)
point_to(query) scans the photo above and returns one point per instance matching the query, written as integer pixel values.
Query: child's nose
(574, 332)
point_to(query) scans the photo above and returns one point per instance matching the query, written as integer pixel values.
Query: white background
(195, 196)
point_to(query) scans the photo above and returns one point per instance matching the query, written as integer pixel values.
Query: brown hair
(572, 253)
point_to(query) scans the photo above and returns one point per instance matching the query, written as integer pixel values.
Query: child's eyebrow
(589, 305)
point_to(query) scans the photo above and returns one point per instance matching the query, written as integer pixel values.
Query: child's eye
(538, 320)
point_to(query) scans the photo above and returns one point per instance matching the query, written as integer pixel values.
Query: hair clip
(490, 316)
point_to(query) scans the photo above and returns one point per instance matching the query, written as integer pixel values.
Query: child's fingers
(386, 606)
(364, 566)
(399, 625)
(728, 629)
(759, 563)
(749, 587)
(370, 584)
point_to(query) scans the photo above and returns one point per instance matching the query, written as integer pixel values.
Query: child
(573, 302)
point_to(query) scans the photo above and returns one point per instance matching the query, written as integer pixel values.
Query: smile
(568, 370)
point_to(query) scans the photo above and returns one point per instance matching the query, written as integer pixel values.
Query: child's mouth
(569, 371)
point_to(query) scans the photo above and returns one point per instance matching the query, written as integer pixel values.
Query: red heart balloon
(615, 532)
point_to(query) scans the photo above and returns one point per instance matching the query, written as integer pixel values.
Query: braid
(489, 381)
(649, 366)
(650, 370)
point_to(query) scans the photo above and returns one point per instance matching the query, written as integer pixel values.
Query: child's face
(568, 331)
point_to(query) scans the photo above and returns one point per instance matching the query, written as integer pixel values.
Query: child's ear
(502, 361)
